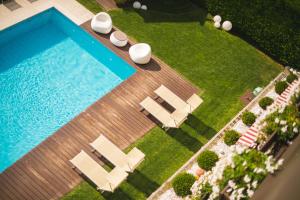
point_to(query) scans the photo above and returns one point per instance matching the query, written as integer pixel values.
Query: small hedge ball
(248, 118)
(231, 137)
(280, 87)
(291, 77)
(265, 102)
(182, 184)
(207, 160)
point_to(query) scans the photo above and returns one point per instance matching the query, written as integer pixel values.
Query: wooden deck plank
(46, 173)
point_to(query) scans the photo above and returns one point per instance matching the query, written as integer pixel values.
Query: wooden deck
(45, 172)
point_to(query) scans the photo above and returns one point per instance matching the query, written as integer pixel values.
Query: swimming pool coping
(70, 8)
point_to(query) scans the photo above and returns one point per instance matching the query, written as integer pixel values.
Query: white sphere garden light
(137, 5)
(227, 25)
(217, 18)
(144, 7)
(217, 24)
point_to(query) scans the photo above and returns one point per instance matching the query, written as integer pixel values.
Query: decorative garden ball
(217, 24)
(227, 25)
(137, 5)
(144, 7)
(217, 18)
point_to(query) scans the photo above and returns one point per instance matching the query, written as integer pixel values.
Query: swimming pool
(50, 71)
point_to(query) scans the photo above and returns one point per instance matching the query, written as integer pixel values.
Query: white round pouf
(144, 7)
(140, 53)
(217, 18)
(118, 38)
(227, 25)
(217, 24)
(137, 5)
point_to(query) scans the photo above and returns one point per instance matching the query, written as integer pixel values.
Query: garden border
(167, 184)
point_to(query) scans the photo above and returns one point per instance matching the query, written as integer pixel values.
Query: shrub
(280, 87)
(231, 137)
(265, 102)
(275, 30)
(291, 77)
(207, 159)
(248, 118)
(182, 184)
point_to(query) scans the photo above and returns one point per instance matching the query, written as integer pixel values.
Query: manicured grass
(92, 5)
(222, 65)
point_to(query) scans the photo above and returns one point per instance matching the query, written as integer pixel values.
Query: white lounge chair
(102, 23)
(167, 95)
(140, 53)
(128, 162)
(105, 181)
(168, 120)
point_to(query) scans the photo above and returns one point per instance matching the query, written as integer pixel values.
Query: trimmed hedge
(207, 160)
(265, 102)
(291, 77)
(280, 87)
(272, 25)
(182, 184)
(248, 118)
(231, 137)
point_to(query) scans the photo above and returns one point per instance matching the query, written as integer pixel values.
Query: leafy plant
(280, 87)
(291, 77)
(207, 159)
(182, 184)
(231, 137)
(248, 118)
(205, 191)
(265, 102)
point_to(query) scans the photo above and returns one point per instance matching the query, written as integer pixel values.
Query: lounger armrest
(116, 177)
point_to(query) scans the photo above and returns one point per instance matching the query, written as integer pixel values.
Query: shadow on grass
(200, 127)
(189, 141)
(170, 11)
(139, 181)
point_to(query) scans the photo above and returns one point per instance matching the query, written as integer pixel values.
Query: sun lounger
(128, 162)
(168, 120)
(105, 181)
(167, 95)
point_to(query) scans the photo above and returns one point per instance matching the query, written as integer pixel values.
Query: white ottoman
(119, 39)
(140, 53)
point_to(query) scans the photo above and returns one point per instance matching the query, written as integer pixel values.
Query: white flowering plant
(249, 169)
(285, 123)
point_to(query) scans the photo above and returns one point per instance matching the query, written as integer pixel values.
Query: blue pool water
(50, 71)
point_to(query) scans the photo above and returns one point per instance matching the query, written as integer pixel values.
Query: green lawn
(222, 65)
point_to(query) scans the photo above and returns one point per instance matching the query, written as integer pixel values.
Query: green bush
(231, 137)
(207, 159)
(248, 118)
(273, 26)
(291, 77)
(280, 87)
(182, 184)
(265, 102)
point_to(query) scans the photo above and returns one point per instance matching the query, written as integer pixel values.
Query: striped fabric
(249, 138)
(287, 93)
